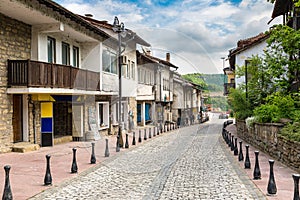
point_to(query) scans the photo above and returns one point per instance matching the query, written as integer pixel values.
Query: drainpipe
(33, 116)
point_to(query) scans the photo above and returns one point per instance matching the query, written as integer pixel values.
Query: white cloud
(197, 32)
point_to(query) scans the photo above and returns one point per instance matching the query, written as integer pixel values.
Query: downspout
(33, 116)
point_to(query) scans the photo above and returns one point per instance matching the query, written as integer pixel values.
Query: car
(223, 116)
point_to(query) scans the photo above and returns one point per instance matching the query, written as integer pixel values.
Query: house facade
(240, 56)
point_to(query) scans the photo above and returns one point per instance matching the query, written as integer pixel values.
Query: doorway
(17, 118)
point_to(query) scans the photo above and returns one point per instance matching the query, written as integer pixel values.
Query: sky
(196, 33)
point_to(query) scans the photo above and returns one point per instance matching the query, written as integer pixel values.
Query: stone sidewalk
(283, 174)
(28, 169)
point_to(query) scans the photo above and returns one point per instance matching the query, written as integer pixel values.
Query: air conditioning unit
(123, 60)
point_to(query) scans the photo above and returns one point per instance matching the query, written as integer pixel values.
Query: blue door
(139, 111)
(147, 112)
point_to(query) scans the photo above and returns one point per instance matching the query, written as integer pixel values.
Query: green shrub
(267, 113)
(291, 131)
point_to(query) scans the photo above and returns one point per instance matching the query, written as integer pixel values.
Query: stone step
(23, 147)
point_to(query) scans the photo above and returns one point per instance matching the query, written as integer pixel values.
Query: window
(65, 56)
(139, 75)
(51, 50)
(103, 114)
(109, 61)
(133, 70)
(75, 56)
(125, 70)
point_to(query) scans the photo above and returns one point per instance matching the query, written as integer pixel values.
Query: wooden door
(17, 118)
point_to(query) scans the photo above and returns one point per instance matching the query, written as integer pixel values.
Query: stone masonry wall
(265, 137)
(15, 43)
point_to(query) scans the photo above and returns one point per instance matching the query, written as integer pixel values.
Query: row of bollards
(271, 187)
(7, 193)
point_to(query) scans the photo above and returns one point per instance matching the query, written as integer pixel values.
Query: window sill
(103, 127)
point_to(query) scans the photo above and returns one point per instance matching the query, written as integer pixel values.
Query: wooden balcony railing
(41, 74)
(227, 87)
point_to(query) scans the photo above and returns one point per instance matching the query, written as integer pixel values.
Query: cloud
(197, 32)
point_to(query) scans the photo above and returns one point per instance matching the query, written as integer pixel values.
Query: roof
(281, 7)
(244, 44)
(109, 27)
(70, 15)
(156, 60)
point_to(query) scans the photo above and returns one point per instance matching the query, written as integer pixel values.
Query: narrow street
(188, 163)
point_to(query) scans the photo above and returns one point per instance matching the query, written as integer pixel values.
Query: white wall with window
(102, 115)
(115, 112)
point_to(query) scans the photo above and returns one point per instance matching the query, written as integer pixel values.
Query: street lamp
(223, 58)
(120, 29)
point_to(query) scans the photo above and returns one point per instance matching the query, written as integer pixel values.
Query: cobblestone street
(188, 163)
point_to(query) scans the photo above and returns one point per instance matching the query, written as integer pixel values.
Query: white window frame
(111, 61)
(105, 117)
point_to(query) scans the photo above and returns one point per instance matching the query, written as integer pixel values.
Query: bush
(291, 132)
(267, 113)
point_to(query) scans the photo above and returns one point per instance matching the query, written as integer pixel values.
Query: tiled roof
(247, 43)
(106, 25)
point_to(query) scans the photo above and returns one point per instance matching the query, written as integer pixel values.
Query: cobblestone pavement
(188, 163)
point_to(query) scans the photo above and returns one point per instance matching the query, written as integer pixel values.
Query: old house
(50, 73)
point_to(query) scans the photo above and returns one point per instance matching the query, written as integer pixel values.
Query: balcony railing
(41, 74)
(227, 87)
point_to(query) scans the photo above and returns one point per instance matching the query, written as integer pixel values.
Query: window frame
(51, 46)
(65, 53)
(75, 56)
(103, 118)
(113, 62)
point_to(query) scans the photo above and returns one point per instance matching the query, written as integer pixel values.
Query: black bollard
(236, 151)
(296, 186)
(140, 136)
(145, 134)
(247, 160)
(241, 156)
(7, 194)
(48, 177)
(133, 138)
(256, 172)
(272, 190)
(126, 142)
(117, 144)
(157, 130)
(232, 143)
(229, 139)
(154, 131)
(150, 133)
(74, 167)
(106, 154)
(93, 157)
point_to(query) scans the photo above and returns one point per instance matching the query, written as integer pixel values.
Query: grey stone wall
(15, 43)
(266, 138)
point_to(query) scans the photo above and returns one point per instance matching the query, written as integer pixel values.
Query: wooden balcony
(48, 75)
(227, 87)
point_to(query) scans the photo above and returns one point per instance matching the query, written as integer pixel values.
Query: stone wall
(266, 138)
(15, 43)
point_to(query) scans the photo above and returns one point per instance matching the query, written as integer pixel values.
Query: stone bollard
(236, 151)
(140, 136)
(232, 143)
(272, 190)
(93, 157)
(117, 144)
(256, 172)
(241, 155)
(296, 186)
(106, 154)
(74, 167)
(133, 138)
(126, 142)
(7, 194)
(247, 160)
(150, 133)
(145, 134)
(48, 177)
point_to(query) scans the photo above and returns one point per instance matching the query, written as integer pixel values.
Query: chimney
(88, 15)
(168, 57)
